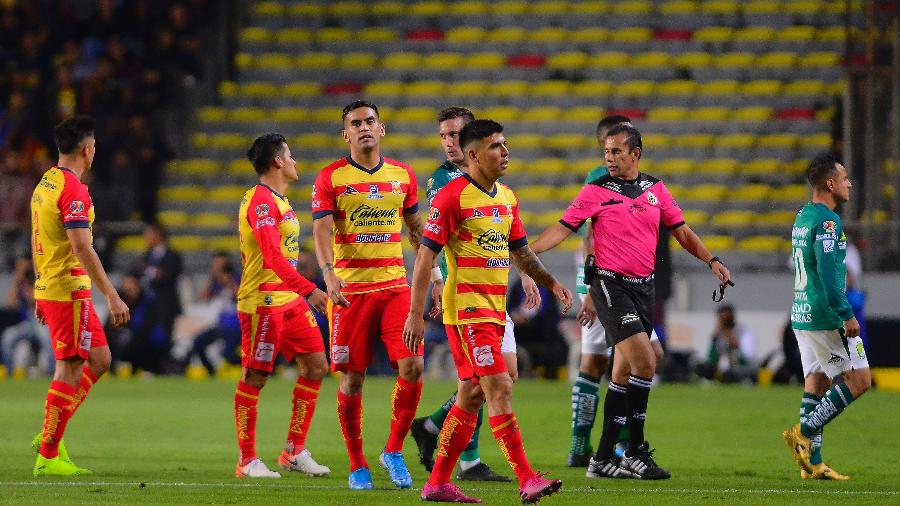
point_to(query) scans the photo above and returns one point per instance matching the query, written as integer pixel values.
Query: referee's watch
(711, 260)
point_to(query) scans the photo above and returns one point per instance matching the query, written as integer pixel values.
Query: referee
(626, 208)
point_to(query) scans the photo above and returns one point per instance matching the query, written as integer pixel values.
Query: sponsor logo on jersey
(365, 212)
(292, 243)
(483, 356)
(430, 184)
(497, 262)
(432, 227)
(492, 240)
(829, 226)
(350, 190)
(644, 184)
(651, 198)
(262, 210)
(76, 206)
(396, 188)
(828, 246)
(268, 221)
(340, 354)
(85, 341)
(265, 352)
(370, 238)
(616, 187)
(267, 300)
(476, 214)
(496, 213)
(509, 210)
(373, 192)
(289, 216)
(433, 213)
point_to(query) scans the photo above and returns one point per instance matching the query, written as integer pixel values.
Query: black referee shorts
(623, 308)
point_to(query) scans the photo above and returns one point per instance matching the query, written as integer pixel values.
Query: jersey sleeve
(580, 210)
(324, 201)
(74, 204)
(263, 216)
(827, 266)
(517, 237)
(672, 217)
(411, 202)
(443, 221)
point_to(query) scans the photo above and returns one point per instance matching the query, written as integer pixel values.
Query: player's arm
(824, 247)
(413, 228)
(323, 228)
(692, 243)
(80, 239)
(414, 329)
(551, 237)
(526, 261)
(269, 240)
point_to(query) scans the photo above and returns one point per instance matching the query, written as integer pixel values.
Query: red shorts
(354, 328)
(476, 349)
(74, 327)
(266, 334)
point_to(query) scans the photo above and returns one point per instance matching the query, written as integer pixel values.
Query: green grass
(169, 440)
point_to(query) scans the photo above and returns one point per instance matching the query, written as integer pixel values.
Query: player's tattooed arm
(526, 261)
(414, 229)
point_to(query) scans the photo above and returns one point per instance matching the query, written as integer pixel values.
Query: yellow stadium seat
(761, 166)
(248, 114)
(667, 114)
(376, 34)
(825, 115)
(608, 59)
(509, 88)
(821, 141)
(694, 141)
(304, 10)
(549, 35)
(517, 166)
(713, 242)
(415, 115)
(565, 142)
(632, 7)
(836, 88)
(585, 113)
(358, 60)
(535, 192)
(332, 34)
(726, 7)
(255, 35)
(820, 59)
(831, 34)
(732, 219)
(182, 193)
(316, 140)
(212, 220)
(468, 88)
(567, 60)
(225, 243)
(796, 34)
(287, 36)
(506, 35)
(754, 113)
(674, 166)
(678, 87)
(566, 192)
(485, 60)
(692, 59)
(809, 7)
(259, 89)
(695, 217)
(426, 88)
(779, 59)
(754, 34)
(131, 244)
(301, 89)
(468, 8)
(717, 166)
(635, 88)
(549, 8)
(655, 141)
(719, 87)
(551, 87)
(804, 87)
(173, 219)
(651, 59)
(543, 114)
(592, 88)
(548, 218)
(428, 8)
(228, 88)
(735, 59)
(226, 193)
(185, 243)
(465, 34)
(212, 114)
(548, 166)
(592, 35)
(268, 9)
(762, 87)
(402, 60)
(501, 113)
(762, 6)
(384, 88)
(389, 8)
(228, 141)
(239, 167)
(777, 218)
(200, 140)
(710, 113)
(713, 34)
(316, 60)
(763, 244)
(754, 192)
(777, 141)
(397, 141)
(588, 164)
(678, 8)
(797, 167)
(509, 7)
(676, 190)
(590, 8)
(442, 60)
(706, 192)
(194, 166)
(634, 34)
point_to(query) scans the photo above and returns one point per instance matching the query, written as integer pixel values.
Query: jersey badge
(350, 190)
(373, 192)
(76, 206)
(509, 210)
(433, 214)
(396, 188)
(651, 198)
(829, 227)
(262, 210)
(496, 213)
(476, 214)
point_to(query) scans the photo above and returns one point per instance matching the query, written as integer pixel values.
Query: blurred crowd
(122, 62)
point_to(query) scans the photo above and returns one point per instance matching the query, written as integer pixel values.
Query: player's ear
(381, 128)
(345, 136)
(637, 152)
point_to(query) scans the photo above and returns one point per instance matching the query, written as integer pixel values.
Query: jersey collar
(492, 193)
(360, 167)
(273, 191)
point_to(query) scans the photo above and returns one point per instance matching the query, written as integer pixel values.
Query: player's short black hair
(263, 150)
(455, 112)
(356, 105)
(478, 129)
(633, 136)
(70, 133)
(822, 168)
(610, 121)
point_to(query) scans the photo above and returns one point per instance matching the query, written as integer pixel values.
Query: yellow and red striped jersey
(60, 201)
(479, 228)
(270, 245)
(368, 207)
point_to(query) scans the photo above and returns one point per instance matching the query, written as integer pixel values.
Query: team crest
(509, 209)
(651, 198)
(829, 227)
(350, 190)
(433, 214)
(476, 214)
(76, 206)
(496, 213)
(373, 192)
(262, 210)
(396, 188)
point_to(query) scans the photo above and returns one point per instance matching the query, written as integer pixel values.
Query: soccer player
(625, 208)
(65, 265)
(272, 311)
(359, 205)
(477, 219)
(834, 360)
(425, 430)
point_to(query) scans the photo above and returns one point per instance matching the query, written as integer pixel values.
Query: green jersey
(582, 288)
(818, 247)
(447, 172)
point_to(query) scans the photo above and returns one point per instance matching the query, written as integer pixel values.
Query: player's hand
(721, 272)
(563, 295)
(587, 314)
(532, 294)
(413, 332)
(851, 327)
(437, 299)
(335, 284)
(39, 315)
(318, 300)
(118, 311)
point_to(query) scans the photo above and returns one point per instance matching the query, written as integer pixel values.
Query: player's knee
(859, 381)
(352, 383)
(69, 370)
(316, 372)
(411, 370)
(255, 378)
(594, 365)
(645, 366)
(99, 362)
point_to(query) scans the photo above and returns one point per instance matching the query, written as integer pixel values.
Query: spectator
(855, 294)
(20, 300)
(134, 343)
(731, 350)
(791, 370)
(537, 331)
(220, 291)
(160, 271)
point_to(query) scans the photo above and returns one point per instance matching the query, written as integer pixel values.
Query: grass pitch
(171, 441)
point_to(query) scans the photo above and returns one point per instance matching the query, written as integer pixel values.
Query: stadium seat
(717, 166)
(737, 218)
(777, 218)
(240, 167)
(247, 114)
(542, 114)
(229, 243)
(552, 88)
(187, 243)
(465, 35)
(212, 114)
(274, 61)
(468, 8)
(400, 141)
(506, 35)
(734, 59)
(304, 10)
(569, 60)
(565, 142)
(608, 59)
(718, 88)
(753, 192)
(428, 8)
(387, 9)
(268, 9)
(755, 35)
(677, 8)
(677, 87)
(632, 7)
(652, 59)
(546, 166)
(254, 35)
(669, 113)
(693, 141)
(720, 7)
(695, 217)
(809, 87)
(566, 193)
(763, 244)
(377, 34)
(673, 166)
(228, 141)
(586, 165)
(439, 60)
(712, 242)
(384, 89)
(469, 88)
(426, 88)
(331, 115)
(590, 7)
(635, 88)
(484, 60)
(820, 59)
(805, 7)
(752, 114)
(258, 89)
(212, 220)
(194, 167)
(316, 60)
(762, 87)
(585, 113)
(592, 88)
(652, 141)
(796, 167)
(796, 34)
(692, 59)
(182, 193)
(710, 114)
(777, 141)
(173, 219)
(779, 59)
(292, 36)
(415, 115)
(333, 34)
(317, 140)
(547, 8)
(509, 88)
(814, 142)
(131, 244)
(534, 192)
(589, 36)
(713, 34)
(761, 166)
(549, 34)
(501, 113)
(226, 193)
(633, 34)
(358, 60)
(301, 89)
(705, 192)
(401, 60)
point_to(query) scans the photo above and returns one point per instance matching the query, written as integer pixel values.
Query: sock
(614, 418)
(584, 412)
(833, 403)
(57, 412)
(350, 415)
(470, 455)
(246, 398)
(807, 405)
(84, 386)
(437, 418)
(404, 401)
(624, 435)
(303, 405)
(506, 432)
(455, 434)
(636, 405)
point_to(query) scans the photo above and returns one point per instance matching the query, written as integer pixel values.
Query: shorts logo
(265, 352)
(860, 351)
(629, 318)
(262, 210)
(85, 341)
(835, 359)
(76, 206)
(483, 356)
(340, 354)
(60, 345)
